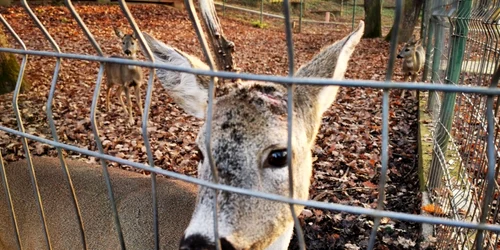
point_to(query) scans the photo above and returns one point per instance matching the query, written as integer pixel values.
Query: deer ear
(413, 39)
(190, 92)
(331, 62)
(118, 32)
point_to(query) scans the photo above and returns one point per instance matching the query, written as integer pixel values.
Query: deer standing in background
(125, 76)
(413, 55)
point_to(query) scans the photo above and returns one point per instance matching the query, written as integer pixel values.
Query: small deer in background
(413, 55)
(125, 76)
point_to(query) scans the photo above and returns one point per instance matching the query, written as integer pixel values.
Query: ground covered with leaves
(347, 168)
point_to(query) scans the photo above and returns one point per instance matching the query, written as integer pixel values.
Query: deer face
(409, 48)
(129, 43)
(249, 149)
(249, 145)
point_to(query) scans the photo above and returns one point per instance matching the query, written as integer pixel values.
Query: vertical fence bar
(436, 59)
(491, 156)
(424, 26)
(24, 141)
(289, 90)
(211, 96)
(458, 40)
(50, 119)
(353, 14)
(224, 8)
(95, 130)
(385, 123)
(428, 51)
(261, 12)
(427, 36)
(8, 196)
(301, 15)
(145, 118)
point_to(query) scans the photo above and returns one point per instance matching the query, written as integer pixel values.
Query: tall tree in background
(411, 12)
(373, 18)
(9, 69)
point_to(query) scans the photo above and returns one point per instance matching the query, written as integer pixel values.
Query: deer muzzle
(200, 242)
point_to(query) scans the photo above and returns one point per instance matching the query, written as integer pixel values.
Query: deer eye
(123, 43)
(132, 43)
(407, 50)
(276, 159)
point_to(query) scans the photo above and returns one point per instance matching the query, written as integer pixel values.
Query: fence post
(223, 7)
(428, 51)
(353, 13)
(261, 12)
(301, 14)
(426, 16)
(436, 59)
(458, 39)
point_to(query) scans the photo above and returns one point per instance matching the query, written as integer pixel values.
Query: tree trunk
(411, 12)
(9, 70)
(373, 18)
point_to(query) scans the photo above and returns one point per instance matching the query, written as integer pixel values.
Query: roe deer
(176, 201)
(249, 147)
(125, 76)
(413, 55)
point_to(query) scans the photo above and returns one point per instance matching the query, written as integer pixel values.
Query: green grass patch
(258, 24)
(425, 143)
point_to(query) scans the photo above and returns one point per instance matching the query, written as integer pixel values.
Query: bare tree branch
(223, 49)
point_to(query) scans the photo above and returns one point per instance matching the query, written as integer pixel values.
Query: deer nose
(399, 56)
(200, 242)
(127, 52)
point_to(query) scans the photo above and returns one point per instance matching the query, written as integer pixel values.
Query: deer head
(129, 43)
(409, 48)
(249, 147)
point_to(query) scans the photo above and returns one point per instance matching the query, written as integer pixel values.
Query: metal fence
(462, 180)
(455, 28)
(338, 12)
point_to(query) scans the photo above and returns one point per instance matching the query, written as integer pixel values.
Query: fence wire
(463, 175)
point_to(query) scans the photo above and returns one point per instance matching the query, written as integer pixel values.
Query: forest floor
(348, 148)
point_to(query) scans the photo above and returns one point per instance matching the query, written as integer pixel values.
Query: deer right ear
(189, 91)
(119, 33)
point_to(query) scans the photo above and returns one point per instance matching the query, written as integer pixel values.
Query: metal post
(261, 12)
(458, 41)
(428, 52)
(224, 8)
(301, 14)
(425, 29)
(436, 62)
(341, 7)
(353, 13)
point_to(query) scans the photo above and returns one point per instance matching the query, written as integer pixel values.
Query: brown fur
(133, 197)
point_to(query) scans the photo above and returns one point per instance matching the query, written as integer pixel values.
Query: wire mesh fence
(462, 176)
(463, 173)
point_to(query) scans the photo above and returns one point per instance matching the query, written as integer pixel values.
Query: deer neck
(132, 57)
(412, 59)
(283, 241)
